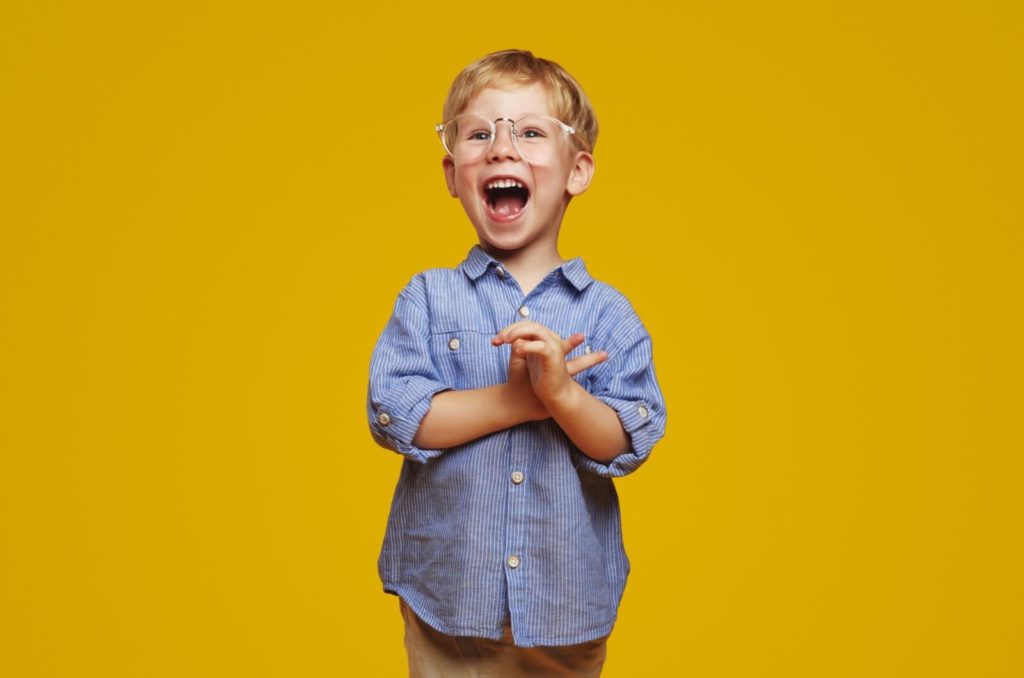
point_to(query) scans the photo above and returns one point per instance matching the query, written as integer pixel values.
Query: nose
(503, 146)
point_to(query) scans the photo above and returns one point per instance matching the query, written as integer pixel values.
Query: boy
(504, 539)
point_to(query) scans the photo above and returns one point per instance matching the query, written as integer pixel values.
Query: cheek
(551, 174)
(466, 193)
(550, 187)
(465, 180)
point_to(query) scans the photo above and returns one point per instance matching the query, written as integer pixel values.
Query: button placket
(518, 502)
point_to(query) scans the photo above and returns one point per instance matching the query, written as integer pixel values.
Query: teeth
(504, 183)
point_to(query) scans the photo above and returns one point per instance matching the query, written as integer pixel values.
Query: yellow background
(207, 210)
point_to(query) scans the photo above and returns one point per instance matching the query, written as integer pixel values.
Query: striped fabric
(519, 524)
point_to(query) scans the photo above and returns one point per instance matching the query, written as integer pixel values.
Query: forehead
(512, 101)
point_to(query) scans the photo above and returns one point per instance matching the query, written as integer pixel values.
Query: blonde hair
(520, 67)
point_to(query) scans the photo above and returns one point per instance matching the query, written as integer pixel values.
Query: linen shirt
(518, 525)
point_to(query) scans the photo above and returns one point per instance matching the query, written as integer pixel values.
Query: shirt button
(518, 477)
(500, 271)
(523, 311)
(384, 418)
(453, 343)
(513, 562)
(642, 411)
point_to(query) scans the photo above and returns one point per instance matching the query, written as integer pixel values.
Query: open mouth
(506, 198)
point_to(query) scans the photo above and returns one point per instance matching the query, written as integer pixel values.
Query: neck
(528, 266)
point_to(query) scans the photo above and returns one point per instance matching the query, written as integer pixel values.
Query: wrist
(565, 400)
(523, 404)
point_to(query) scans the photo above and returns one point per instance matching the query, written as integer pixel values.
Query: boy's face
(507, 223)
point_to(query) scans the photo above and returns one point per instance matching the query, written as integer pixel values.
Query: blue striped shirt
(518, 525)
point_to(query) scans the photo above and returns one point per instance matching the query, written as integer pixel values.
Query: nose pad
(504, 145)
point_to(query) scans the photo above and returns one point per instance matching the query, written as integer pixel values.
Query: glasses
(536, 138)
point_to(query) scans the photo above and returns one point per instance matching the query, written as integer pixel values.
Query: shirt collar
(576, 273)
(478, 261)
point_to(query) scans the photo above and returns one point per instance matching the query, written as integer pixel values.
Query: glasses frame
(569, 130)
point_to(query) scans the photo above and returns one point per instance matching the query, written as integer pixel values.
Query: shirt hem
(520, 641)
(436, 623)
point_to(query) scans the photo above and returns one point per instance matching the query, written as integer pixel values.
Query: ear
(449, 175)
(581, 175)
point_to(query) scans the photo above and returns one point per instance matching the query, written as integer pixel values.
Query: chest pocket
(466, 359)
(460, 342)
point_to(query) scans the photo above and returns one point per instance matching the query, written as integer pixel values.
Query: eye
(531, 133)
(479, 135)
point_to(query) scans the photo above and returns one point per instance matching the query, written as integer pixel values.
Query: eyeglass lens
(537, 138)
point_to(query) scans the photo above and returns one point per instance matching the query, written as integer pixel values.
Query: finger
(585, 361)
(571, 342)
(502, 336)
(525, 330)
(515, 346)
(524, 348)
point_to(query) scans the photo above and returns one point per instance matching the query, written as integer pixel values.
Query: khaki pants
(433, 654)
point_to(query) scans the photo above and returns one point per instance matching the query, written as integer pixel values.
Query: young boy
(515, 386)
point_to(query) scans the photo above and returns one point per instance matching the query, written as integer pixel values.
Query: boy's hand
(538, 363)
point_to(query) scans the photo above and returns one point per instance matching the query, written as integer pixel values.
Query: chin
(502, 243)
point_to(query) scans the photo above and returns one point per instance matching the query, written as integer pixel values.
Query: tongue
(508, 205)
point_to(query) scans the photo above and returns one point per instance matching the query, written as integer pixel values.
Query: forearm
(591, 425)
(457, 417)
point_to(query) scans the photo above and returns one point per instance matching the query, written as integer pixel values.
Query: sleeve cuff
(643, 425)
(396, 417)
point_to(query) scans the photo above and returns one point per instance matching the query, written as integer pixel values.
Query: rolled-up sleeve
(403, 377)
(626, 382)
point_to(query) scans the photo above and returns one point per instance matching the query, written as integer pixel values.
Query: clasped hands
(539, 376)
